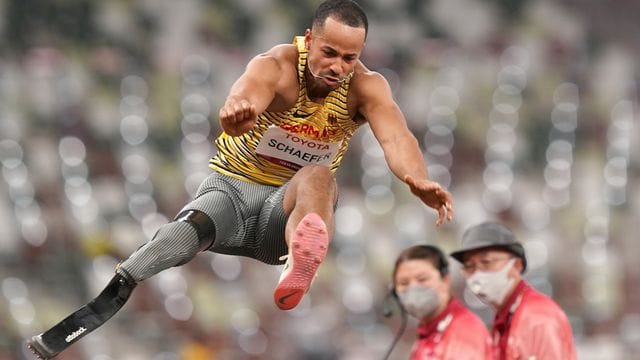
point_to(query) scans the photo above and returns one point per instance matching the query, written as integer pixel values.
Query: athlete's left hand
(433, 195)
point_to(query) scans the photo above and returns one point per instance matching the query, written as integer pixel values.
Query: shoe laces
(286, 264)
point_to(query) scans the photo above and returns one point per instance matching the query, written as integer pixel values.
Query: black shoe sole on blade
(38, 349)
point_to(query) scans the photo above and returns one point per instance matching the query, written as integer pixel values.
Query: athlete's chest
(291, 99)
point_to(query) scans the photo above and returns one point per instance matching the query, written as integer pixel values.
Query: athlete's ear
(307, 38)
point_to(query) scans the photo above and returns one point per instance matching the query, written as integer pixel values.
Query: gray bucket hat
(490, 235)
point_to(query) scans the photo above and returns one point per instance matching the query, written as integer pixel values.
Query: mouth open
(331, 81)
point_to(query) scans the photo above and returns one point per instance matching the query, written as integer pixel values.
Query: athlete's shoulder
(282, 54)
(366, 83)
(362, 74)
(365, 79)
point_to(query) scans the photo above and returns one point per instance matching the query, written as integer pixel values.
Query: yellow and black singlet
(282, 142)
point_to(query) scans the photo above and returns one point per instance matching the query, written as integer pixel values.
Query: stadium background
(526, 110)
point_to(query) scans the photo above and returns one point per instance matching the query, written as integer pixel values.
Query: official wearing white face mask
(447, 330)
(492, 277)
(527, 324)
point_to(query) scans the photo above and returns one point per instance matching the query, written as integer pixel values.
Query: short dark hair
(347, 11)
(428, 253)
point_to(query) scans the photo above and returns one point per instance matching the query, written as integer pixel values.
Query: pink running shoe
(307, 249)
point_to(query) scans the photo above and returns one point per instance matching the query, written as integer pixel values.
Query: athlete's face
(334, 49)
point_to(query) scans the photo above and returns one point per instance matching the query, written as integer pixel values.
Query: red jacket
(455, 334)
(531, 326)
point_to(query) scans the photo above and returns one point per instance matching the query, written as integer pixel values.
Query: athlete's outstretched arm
(250, 95)
(401, 150)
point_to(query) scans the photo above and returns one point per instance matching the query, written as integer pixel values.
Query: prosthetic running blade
(86, 319)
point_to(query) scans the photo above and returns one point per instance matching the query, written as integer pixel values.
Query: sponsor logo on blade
(75, 334)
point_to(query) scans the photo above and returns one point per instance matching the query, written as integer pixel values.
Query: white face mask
(491, 287)
(419, 301)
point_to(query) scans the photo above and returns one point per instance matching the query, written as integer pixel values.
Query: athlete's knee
(316, 174)
(202, 223)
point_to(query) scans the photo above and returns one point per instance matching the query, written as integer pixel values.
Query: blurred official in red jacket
(447, 330)
(528, 325)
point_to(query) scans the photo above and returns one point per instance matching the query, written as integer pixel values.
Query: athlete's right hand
(237, 116)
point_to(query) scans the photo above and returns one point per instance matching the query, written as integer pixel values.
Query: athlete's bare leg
(312, 189)
(309, 200)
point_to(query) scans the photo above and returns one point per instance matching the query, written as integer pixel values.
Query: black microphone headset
(392, 295)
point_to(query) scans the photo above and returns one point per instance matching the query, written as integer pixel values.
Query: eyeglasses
(482, 265)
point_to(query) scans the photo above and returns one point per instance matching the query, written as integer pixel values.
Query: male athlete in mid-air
(271, 196)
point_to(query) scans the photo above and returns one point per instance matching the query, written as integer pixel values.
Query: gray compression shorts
(249, 218)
